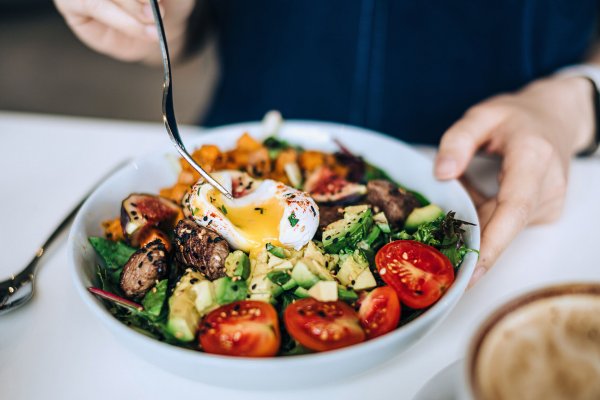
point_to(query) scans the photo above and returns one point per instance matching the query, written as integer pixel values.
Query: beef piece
(200, 248)
(145, 267)
(395, 203)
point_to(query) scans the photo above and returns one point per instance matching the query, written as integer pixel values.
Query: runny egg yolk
(258, 223)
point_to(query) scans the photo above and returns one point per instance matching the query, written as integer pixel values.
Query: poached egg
(262, 211)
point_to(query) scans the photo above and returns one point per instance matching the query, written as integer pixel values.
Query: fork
(18, 289)
(167, 104)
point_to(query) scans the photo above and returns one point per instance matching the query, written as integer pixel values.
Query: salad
(316, 251)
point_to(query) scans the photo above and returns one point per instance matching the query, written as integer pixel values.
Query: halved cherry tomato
(379, 311)
(419, 273)
(323, 326)
(245, 328)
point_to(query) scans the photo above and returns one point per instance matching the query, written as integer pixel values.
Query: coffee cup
(544, 344)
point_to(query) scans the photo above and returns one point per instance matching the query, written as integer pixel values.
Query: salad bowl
(149, 173)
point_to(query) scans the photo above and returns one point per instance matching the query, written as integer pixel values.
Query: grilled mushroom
(395, 202)
(200, 248)
(146, 266)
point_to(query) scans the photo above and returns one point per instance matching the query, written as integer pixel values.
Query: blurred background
(44, 68)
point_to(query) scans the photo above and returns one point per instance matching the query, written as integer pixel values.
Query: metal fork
(19, 289)
(167, 104)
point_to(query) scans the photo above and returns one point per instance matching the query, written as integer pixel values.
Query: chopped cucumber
(301, 292)
(275, 250)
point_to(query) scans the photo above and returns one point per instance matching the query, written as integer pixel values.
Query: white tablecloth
(55, 348)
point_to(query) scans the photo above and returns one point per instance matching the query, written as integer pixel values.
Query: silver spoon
(18, 289)
(167, 104)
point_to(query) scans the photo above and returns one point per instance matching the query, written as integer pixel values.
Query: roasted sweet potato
(112, 229)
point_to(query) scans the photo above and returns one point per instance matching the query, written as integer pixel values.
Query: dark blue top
(408, 68)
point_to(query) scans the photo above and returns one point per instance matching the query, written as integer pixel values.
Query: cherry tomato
(419, 273)
(379, 311)
(323, 326)
(245, 328)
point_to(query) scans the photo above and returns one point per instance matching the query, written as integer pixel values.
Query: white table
(54, 348)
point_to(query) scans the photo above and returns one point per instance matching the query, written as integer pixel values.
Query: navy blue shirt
(408, 68)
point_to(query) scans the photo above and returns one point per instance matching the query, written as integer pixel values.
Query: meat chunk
(200, 248)
(395, 202)
(146, 266)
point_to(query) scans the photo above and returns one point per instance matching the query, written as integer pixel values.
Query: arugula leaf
(445, 234)
(114, 254)
(154, 300)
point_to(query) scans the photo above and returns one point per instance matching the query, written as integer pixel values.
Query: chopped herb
(293, 220)
(195, 211)
(259, 209)
(224, 209)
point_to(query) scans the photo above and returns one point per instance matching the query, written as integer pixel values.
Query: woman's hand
(536, 132)
(124, 29)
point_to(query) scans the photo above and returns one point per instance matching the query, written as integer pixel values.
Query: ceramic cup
(544, 344)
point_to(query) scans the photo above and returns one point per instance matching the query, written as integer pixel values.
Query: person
(473, 76)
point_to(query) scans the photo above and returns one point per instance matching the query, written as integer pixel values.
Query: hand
(124, 29)
(536, 132)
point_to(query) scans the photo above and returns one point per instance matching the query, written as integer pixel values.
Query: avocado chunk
(237, 263)
(228, 290)
(303, 276)
(206, 298)
(422, 215)
(354, 272)
(365, 280)
(279, 264)
(260, 286)
(324, 291)
(316, 261)
(183, 316)
(347, 232)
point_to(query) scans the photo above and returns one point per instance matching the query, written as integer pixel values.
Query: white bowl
(150, 173)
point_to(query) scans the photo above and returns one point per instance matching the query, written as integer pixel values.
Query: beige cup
(541, 345)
